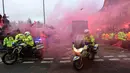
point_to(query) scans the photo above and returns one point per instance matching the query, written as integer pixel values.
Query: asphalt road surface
(59, 60)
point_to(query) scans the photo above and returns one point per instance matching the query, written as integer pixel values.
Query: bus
(79, 26)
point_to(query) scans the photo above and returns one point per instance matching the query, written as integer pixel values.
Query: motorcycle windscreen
(78, 42)
(78, 45)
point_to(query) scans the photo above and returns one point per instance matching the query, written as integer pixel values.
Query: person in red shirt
(44, 39)
(107, 37)
(1, 22)
(128, 36)
(0, 18)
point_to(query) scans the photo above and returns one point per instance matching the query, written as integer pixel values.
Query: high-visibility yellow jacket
(19, 36)
(111, 35)
(8, 41)
(122, 36)
(89, 39)
(29, 40)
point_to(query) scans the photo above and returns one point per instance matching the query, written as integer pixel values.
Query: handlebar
(17, 43)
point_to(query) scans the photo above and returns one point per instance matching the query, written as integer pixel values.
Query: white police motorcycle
(83, 52)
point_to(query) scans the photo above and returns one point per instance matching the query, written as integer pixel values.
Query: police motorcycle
(84, 51)
(11, 57)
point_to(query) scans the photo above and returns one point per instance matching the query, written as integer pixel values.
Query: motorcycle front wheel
(78, 64)
(9, 58)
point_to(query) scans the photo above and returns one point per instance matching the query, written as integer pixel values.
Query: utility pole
(44, 12)
(3, 5)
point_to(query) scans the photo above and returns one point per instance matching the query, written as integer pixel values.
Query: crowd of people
(4, 20)
(117, 38)
(4, 23)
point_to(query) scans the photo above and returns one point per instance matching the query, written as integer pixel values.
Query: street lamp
(44, 12)
(3, 7)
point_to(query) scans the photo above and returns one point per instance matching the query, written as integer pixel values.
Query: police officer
(121, 36)
(19, 36)
(29, 41)
(8, 41)
(89, 39)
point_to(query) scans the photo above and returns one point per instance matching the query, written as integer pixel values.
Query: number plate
(76, 58)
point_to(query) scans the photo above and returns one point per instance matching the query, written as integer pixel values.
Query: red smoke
(68, 15)
(115, 14)
(62, 17)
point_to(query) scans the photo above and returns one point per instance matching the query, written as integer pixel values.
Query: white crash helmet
(86, 31)
(27, 33)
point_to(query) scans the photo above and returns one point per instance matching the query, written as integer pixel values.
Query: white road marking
(114, 59)
(29, 62)
(122, 56)
(96, 56)
(65, 61)
(108, 56)
(99, 60)
(66, 58)
(48, 58)
(46, 61)
(126, 58)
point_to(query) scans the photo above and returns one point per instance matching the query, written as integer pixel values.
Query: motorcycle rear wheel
(91, 56)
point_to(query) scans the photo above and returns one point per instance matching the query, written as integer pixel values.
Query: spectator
(6, 22)
(4, 16)
(44, 39)
(1, 24)
(0, 18)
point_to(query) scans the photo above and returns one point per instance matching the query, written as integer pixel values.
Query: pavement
(58, 59)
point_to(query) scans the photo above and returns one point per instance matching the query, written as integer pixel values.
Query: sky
(24, 9)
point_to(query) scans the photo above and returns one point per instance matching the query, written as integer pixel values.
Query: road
(109, 59)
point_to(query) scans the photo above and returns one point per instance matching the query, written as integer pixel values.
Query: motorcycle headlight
(96, 45)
